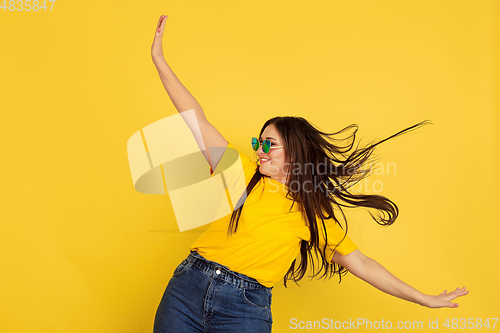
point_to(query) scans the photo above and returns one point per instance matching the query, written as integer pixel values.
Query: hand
(156, 48)
(443, 299)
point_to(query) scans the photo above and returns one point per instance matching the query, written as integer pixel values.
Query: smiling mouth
(264, 160)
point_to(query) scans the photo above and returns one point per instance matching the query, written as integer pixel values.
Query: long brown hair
(309, 148)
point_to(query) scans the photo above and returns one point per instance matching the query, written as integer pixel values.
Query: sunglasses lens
(265, 146)
(255, 144)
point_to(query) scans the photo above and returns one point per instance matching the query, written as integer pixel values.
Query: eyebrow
(270, 138)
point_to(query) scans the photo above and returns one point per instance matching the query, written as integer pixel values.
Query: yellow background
(82, 251)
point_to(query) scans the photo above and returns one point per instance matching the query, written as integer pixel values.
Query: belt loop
(190, 260)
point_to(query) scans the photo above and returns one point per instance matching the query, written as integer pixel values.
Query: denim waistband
(211, 268)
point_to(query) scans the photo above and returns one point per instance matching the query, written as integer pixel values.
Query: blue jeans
(204, 296)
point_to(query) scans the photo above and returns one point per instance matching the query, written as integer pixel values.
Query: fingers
(448, 297)
(461, 291)
(458, 290)
(457, 293)
(161, 24)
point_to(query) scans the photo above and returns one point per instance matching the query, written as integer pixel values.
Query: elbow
(354, 262)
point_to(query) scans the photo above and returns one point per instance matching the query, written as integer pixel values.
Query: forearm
(379, 277)
(182, 99)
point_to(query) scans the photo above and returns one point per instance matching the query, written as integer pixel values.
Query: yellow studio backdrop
(83, 251)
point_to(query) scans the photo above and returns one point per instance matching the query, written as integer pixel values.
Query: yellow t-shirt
(268, 236)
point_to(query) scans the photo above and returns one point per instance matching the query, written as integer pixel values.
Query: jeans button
(217, 271)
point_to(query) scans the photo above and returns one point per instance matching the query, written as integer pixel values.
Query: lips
(264, 160)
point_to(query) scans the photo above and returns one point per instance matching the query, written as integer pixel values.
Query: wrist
(423, 299)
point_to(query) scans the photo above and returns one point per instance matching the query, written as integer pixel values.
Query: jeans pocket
(179, 269)
(257, 297)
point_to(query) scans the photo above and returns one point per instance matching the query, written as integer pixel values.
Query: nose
(261, 154)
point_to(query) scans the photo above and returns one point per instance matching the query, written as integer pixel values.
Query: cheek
(280, 163)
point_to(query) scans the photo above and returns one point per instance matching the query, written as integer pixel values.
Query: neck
(282, 181)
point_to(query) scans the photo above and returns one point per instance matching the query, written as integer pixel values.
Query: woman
(225, 284)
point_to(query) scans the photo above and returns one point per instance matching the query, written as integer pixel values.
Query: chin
(260, 170)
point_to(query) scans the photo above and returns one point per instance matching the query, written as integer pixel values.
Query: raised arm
(375, 274)
(206, 135)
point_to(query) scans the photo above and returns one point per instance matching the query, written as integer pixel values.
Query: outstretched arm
(182, 99)
(375, 274)
(205, 134)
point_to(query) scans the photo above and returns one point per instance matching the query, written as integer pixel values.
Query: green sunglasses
(266, 145)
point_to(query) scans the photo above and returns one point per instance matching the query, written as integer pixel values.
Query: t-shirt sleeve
(335, 236)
